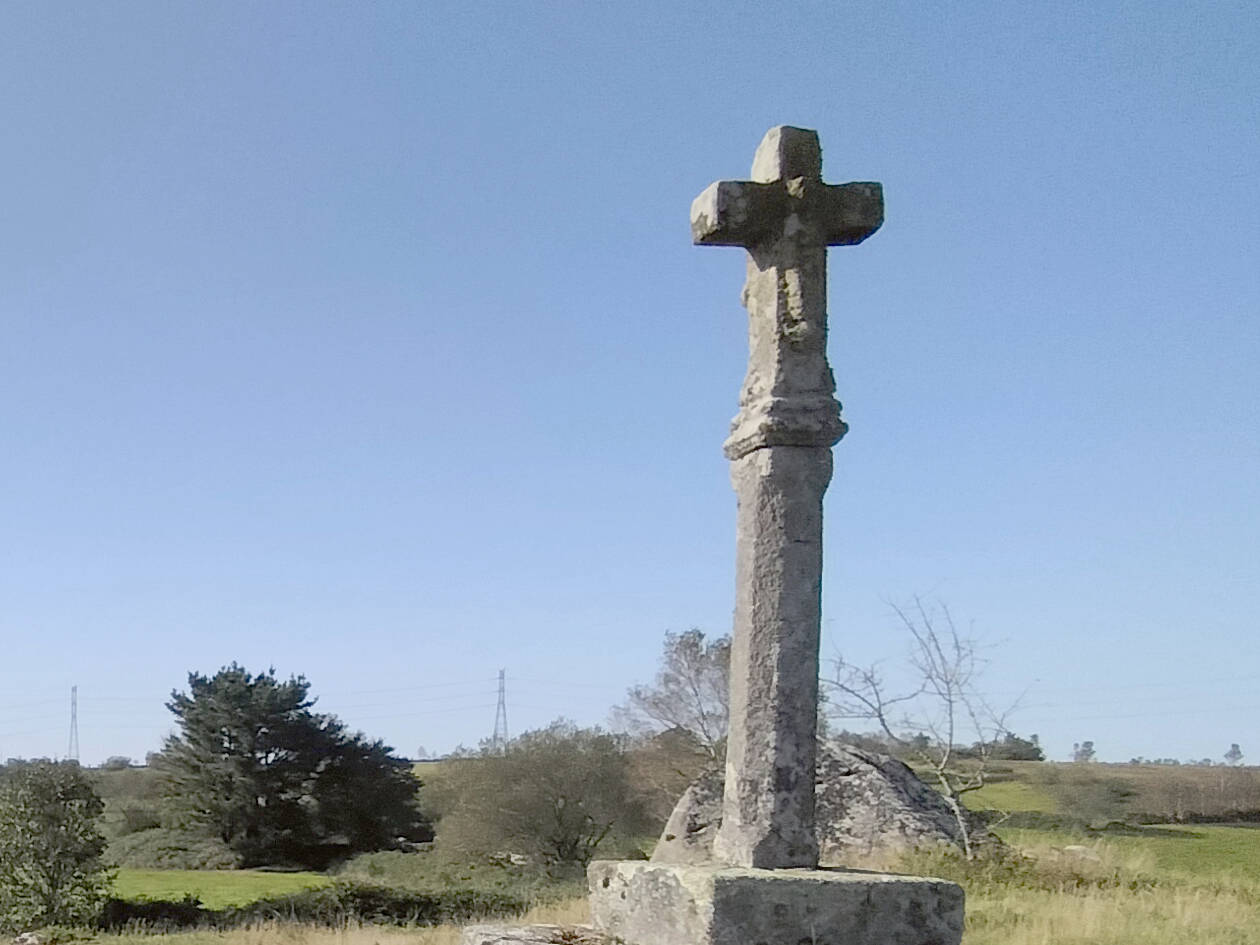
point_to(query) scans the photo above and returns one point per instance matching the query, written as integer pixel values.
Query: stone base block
(644, 903)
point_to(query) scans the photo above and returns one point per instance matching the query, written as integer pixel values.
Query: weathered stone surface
(768, 808)
(687, 839)
(870, 802)
(655, 904)
(780, 450)
(865, 803)
(492, 934)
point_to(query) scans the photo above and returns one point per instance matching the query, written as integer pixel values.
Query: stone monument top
(786, 217)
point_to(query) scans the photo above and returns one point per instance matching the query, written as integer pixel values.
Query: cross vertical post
(780, 452)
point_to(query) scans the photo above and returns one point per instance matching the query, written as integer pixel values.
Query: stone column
(768, 808)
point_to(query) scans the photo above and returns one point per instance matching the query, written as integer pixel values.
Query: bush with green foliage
(51, 872)
(435, 870)
(555, 795)
(278, 783)
(162, 849)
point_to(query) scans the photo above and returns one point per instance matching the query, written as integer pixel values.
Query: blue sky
(367, 341)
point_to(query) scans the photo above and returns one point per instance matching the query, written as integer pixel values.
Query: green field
(1012, 796)
(217, 889)
(1187, 852)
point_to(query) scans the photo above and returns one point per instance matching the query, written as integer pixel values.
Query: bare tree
(689, 694)
(943, 706)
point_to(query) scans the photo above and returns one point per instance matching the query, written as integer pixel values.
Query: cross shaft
(780, 451)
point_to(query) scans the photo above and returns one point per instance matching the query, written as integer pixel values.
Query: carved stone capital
(779, 421)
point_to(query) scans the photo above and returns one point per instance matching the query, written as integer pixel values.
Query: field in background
(1082, 878)
(1114, 891)
(1097, 793)
(1203, 852)
(1012, 796)
(216, 889)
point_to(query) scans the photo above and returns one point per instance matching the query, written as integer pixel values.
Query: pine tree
(277, 782)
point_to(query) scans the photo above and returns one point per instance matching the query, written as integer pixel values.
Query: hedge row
(335, 905)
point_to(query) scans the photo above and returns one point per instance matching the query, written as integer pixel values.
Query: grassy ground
(217, 889)
(1012, 796)
(1188, 886)
(569, 912)
(1065, 889)
(1183, 885)
(1193, 853)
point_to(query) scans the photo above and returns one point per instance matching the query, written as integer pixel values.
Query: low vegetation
(1095, 853)
(1095, 794)
(555, 796)
(1070, 889)
(51, 871)
(1065, 888)
(214, 889)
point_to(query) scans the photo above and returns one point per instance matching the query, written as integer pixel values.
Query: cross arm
(851, 212)
(736, 212)
(744, 213)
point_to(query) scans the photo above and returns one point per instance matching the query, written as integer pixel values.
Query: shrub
(163, 849)
(437, 871)
(554, 795)
(51, 871)
(335, 905)
(133, 818)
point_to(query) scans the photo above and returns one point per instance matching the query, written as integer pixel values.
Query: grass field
(1196, 886)
(1121, 891)
(1192, 853)
(217, 889)
(1148, 885)
(1012, 796)
(1183, 885)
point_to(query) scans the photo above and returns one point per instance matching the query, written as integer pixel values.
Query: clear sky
(366, 341)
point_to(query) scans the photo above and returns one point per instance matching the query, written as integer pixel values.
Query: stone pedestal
(641, 903)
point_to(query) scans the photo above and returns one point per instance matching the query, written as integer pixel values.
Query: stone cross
(780, 453)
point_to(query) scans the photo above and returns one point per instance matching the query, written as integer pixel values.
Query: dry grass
(1102, 892)
(1112, 917)
(1134, 903)
(569, 912)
